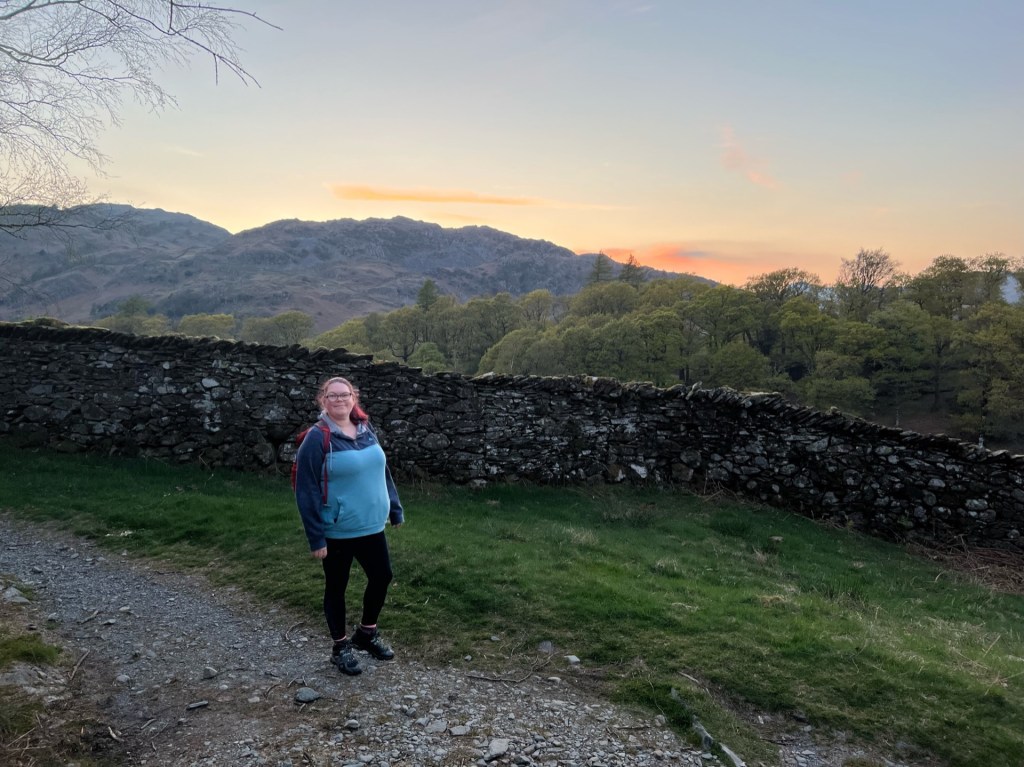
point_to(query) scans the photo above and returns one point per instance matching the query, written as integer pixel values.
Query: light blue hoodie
(361, 496)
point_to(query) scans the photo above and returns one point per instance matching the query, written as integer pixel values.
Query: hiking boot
(371, 642)
(344, 658)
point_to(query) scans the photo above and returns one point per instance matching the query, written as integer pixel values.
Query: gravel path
(179, 672)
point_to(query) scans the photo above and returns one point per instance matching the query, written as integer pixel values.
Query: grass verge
(674, 603)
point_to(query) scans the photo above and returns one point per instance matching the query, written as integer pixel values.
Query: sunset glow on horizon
(725, 141)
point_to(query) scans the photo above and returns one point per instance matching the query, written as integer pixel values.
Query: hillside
(332, 270)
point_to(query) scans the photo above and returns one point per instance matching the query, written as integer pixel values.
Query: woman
(345, 496)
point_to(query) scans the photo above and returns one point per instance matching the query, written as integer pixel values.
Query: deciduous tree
(538, 307)
(739, 365)
(989, 399)
(212, 325)
(428, 358)
(805, 330)
(724, 313)
(350, 335)
(772, 290)
(866, 283)
(613, 299)
(402, 331)
(283, 329)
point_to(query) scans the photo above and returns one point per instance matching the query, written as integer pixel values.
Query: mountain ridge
(332, 270)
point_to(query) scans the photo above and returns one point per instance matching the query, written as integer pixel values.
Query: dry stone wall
(238, 405)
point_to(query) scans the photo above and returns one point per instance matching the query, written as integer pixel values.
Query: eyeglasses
(335, 397)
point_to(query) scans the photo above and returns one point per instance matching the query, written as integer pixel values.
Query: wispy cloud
(393, 194)
(736, 158)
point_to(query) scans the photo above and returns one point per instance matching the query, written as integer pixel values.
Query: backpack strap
(326, 431)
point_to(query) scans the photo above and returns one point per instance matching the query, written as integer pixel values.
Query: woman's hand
(319, 553)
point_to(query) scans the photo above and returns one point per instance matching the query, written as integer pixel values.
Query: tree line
(877, 343)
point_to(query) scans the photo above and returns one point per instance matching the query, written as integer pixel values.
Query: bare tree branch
(65, 68)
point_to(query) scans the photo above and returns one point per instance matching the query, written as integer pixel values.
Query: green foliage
(901, 353)
(612, 299)
(136, 324)
(989, 399)
(134, 306)
(852, 631)
(890, 345)
(772, 291)
(283, 329)
(402, 330)
(429, 358)
(724, 314)
(508, 356)
(671, 293)
(135, 315)
(804, 331)
(538, 308)
(739, 365)
(836, 382)
(352, 336)
(208, 325)
(945, 289)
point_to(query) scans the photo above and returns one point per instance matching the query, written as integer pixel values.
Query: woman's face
(338, 400)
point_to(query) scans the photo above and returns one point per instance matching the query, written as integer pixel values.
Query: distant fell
(333, 270)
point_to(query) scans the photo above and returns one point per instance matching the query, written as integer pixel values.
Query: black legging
(371, 552)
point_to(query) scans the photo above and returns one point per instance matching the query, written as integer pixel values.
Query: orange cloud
(731, 264)
(390, 194)
(736, 158)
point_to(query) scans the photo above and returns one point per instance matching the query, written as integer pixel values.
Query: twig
(1001, 680)
(989, 648)
(23, 735)
(75, 669)
(692, 679)
(528, 674)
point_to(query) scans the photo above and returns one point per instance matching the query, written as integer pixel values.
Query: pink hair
(357, 414)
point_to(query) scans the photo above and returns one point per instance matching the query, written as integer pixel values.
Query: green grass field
(734, 607)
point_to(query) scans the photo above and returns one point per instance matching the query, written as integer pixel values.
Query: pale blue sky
(723, 138)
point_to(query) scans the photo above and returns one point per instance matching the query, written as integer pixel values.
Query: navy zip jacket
(361, 496)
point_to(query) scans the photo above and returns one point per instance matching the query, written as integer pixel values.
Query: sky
(723, 139)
